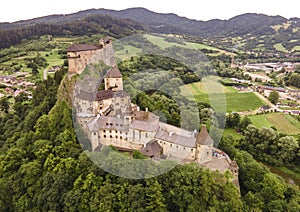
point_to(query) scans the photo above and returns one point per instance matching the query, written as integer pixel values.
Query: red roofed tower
(113, 79)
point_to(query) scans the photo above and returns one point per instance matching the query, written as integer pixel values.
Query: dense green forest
(277, 148)
(86, 26)
(43, 167)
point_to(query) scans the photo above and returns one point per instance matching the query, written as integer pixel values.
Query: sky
(14, 10)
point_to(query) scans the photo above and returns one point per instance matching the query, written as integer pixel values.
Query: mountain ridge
(273, 29)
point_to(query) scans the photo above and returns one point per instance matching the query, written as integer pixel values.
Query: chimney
(170, 134)
(138, 108)
(146, 109)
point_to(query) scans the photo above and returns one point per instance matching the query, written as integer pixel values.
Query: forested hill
(239, 25)
(80, 25)
(249, 31)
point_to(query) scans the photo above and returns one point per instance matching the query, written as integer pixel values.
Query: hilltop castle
(110, 118)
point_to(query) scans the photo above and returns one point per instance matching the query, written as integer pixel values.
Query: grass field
(233, 133)
(212, 92)
(296, 48)
(53, 58)
(280, 47)
(160, 41)
(283, 123)
(127, 52)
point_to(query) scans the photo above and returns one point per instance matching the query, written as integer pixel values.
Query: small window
(104, 136)
(110, 131)
(104, 131)
(192, 150)
(117, 124)
(116, 136)
(110, 136)
(121, 137)
(94, 133)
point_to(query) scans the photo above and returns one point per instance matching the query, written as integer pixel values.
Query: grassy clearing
(290, 172)
(260, 121)
(53, 58)
(127, 52)
(280, 47)
(212, 92)
(233, 133)
(296, 48)
(160, 41)
(283, 123)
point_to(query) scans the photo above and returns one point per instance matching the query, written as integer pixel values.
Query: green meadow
(214, 93)
(283, 123)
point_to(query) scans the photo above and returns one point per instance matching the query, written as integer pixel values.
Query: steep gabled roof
(175, 138)
(82, 47)
(104, 94)
(152, 149)
(203, 137)
(114, 72)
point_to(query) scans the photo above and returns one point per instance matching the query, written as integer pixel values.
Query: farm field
(212, 92)
(160, 41)
(280, 47)
(283, 123)
(127, 52)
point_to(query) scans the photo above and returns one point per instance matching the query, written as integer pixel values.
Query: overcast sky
(14, 10)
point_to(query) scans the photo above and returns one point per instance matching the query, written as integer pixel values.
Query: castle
(110, 118)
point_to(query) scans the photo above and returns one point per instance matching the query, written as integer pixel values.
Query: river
(288, 178)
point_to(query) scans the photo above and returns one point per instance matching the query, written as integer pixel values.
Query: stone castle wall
(78, 60)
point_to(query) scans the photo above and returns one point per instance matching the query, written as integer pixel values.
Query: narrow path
(270, 104)
(45, 74)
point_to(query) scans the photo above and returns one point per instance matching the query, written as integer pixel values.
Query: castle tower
(113, 79)
(204, 144)
(234, 168)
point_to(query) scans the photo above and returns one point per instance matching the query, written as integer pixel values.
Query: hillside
(245, 32)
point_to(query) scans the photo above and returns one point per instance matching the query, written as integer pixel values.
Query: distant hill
(249, 31)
